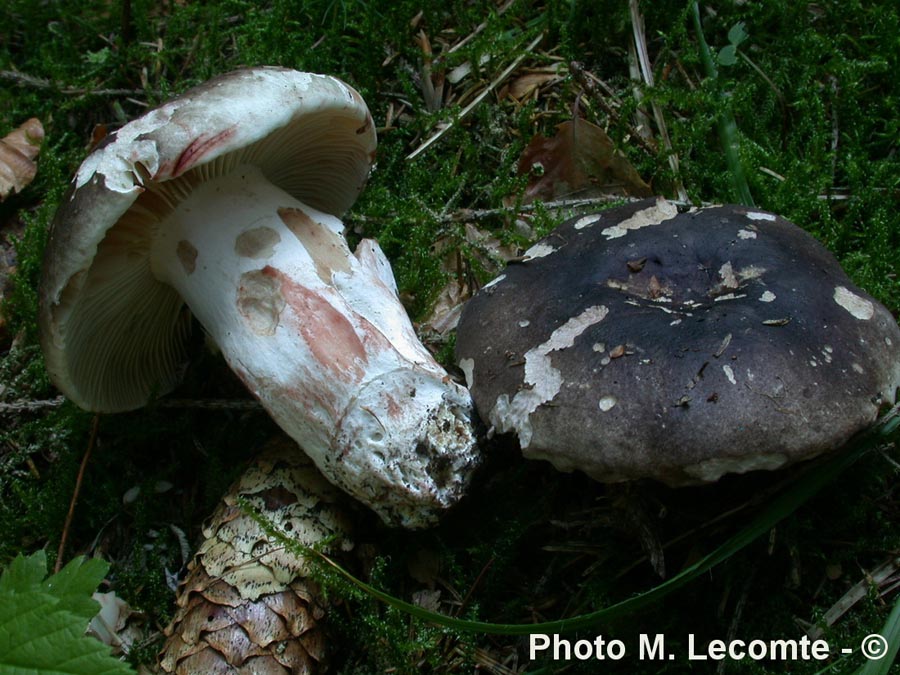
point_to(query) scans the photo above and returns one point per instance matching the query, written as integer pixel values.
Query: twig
(433, 96)
(41, 83)
(27, 406)
(201, 404)
(588, 82)
(95, 425)
(480, 27)
(857, 592)
(642, 123)
(640, 43)
(478, 99)
(462, 215)
(475, 586)
(210, 403)
(738, 613)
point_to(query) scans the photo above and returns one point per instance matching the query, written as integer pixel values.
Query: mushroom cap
(113, 336)
(641, 342)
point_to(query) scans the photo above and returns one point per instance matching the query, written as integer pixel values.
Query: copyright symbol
(874, 647)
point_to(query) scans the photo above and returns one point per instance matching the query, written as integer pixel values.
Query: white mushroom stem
(319, 336)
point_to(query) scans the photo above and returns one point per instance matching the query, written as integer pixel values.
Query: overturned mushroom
(226, 200)
(646, 342)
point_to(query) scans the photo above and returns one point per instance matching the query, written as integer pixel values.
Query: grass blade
(781, 507)
(891, 633)
(794, 496)
(727, 126)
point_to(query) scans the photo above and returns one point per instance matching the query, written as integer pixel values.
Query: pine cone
(248, 605)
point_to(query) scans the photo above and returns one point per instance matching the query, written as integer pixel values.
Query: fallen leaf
(18, 150)
(580, 161)
(111, 625)
(98, 133)
(430, 600)
(523, 85)
(488, 252)
(9, 233)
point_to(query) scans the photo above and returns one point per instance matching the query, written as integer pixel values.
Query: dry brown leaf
(580, 161)
(523, 85)
(18, 150)
(488, 252)
(116, 624)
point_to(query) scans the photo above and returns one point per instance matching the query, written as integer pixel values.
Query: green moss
(815, 96)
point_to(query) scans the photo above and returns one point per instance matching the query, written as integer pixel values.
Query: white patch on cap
(746, 234)
(587, 221)
(726, 272)
(539, 250)
(729, 373)
(117, 161)
(859, 307)
(755, 215)
(661, 211)
(607, 403)
(750, 272)
(542, 380)
(468, 368)
(494, 282)
(768, 296)
(524, 323)
(711, 470)
(858, 368)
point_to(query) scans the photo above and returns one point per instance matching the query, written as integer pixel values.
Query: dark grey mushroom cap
(641, 342)
(112, 334)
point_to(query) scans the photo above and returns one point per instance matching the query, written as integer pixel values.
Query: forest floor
(797, 109)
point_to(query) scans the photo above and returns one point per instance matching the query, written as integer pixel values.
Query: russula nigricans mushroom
(646, 342)
(227, 200)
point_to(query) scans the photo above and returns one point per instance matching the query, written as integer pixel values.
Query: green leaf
(728, 55)
(42, 621)
(75, 583)
(72, 586)
(728, 132)
(24, 573)
(737, 34)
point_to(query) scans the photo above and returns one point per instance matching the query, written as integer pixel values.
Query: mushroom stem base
(318, 334)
